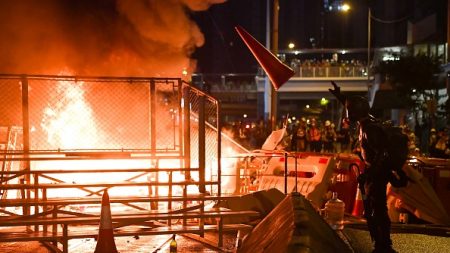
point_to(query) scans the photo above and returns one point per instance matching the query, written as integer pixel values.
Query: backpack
(397, 154)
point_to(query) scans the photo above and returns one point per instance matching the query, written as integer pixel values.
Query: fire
(67, 119)
(70, 115)
(229, 170)
(70, 123)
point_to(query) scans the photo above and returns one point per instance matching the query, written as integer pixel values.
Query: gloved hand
(336, 91)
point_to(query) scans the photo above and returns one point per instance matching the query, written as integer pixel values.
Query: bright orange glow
(229, 167)
(70, 124)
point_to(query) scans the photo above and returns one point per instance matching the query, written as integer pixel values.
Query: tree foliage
(408, 73)
(416, 80)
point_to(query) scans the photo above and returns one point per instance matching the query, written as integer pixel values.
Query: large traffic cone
(105, 240)
(358, 207)
(277, 71)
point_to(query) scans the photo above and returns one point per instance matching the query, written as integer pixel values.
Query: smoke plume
(99, 37)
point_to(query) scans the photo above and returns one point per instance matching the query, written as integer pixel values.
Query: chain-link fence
(159, 117)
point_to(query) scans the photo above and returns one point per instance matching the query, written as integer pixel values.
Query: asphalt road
(360, 241)
(143, 244)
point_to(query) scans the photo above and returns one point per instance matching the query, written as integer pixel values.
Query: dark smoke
(99, 37)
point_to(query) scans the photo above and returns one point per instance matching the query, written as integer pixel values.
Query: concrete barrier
(313, 179)
(261, 201)
(293, 226)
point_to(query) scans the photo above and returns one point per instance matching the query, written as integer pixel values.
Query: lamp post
(273, 97)
(369, 36)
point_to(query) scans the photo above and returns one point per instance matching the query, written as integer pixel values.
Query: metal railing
(164, 121)
(245, 84)
(332, 71)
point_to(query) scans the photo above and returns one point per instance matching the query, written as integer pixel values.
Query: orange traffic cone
(358, 207)
(278, 72)
(105, 240)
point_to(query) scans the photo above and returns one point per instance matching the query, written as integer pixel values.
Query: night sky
(223, 50)
(300, 21)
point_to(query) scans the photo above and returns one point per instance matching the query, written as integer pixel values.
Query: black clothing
(301, 139)
(328, 142)
(294, 139)
(373, 182)
(344, 139)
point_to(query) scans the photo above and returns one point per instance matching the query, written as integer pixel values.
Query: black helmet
(357, 107)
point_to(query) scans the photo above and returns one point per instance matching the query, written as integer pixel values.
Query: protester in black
(373, 181)
(343, 137)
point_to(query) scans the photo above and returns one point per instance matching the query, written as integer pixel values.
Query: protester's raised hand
(336, 91)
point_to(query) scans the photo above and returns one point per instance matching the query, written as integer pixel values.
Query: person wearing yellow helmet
(328, 137)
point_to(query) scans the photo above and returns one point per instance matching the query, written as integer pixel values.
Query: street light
(345, 7)
(337, 6)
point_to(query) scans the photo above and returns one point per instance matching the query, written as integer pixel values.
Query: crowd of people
(309, 67)
(323, 136)
(326, 63)
(249, 134)
(327, 67)
(311, 135)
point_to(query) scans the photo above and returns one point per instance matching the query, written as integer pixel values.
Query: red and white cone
(105, 240)
(278, 72)
(358, 207)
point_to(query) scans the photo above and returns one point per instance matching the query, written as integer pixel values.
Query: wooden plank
(98, 185)
(274, 232)
(93, 233)
(129, 218)
(28, 236)
(74, 171)
(15, 156)
(97, 200)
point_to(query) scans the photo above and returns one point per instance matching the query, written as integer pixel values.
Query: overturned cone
(278, 72)
(105, 240)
